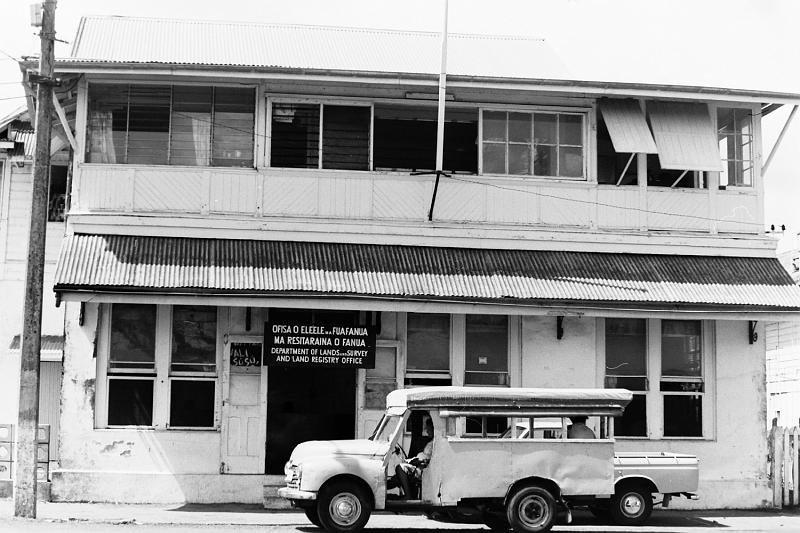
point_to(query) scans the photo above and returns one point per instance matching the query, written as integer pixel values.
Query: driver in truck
(412, 469)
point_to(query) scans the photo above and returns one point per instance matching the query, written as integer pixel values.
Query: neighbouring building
(783, 359)
(239, 187)
(17, 143)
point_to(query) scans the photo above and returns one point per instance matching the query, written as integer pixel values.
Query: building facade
(239, 189)
(16, 175)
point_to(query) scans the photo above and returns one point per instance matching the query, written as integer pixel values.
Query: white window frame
(271, 100)
(162, 378)
(755, 123)
(587, 122)
(654, 396)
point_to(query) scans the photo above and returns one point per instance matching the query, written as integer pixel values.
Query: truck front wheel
(343, 507)
(313, 515)
(631, 505)
(531, 509)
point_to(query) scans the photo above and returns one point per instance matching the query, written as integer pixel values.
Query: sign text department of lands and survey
(332, 345)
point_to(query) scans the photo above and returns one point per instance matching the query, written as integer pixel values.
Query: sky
(741, 44)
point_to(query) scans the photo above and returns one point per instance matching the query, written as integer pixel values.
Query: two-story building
(242, 186)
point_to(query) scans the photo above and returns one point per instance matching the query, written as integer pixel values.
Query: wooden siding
(406, 198)
(50, 401)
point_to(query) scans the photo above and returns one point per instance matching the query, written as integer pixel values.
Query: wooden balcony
(375, 196)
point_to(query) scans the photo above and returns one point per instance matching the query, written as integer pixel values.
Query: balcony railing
(402, 197)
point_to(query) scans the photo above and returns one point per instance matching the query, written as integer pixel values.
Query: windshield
(386, 428)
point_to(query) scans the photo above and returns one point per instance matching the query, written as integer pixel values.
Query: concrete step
(272, 501)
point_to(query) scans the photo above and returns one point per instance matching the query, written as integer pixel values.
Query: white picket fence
(784, 447)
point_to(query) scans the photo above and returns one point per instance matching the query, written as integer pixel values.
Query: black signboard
(246, 354)
(327, 345)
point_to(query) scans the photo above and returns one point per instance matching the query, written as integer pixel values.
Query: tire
(343, 507)
(631, 505)
(312, 515)
(496, 521)
(531, 509)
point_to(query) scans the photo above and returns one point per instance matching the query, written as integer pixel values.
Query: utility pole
(28, 421)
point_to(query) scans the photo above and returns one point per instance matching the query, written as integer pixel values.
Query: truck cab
(484, 464)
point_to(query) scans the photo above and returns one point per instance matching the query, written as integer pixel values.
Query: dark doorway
(306, 403)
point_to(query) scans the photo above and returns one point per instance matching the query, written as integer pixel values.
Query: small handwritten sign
(327, 345)
(246, 354)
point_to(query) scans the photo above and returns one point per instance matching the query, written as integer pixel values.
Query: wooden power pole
(28, 421)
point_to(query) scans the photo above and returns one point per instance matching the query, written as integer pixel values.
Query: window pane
(519, 159)
(385, 363)
(190, 142)
(130, 402)
(191, 403)
(681, 352)
(633, 422)
(494, 126)
(460, 141)
(194, 338)
(295, 136)
(345, 137)
(570, 130)
(486, 350)
(494, 158)
(570, 163)
(133, 337)
(519, 127)
(428, 342)
(545, 161)
(626, 346)
(683, 416)
(148, 125)
(107, 124)
(234, 123)
(544, 128)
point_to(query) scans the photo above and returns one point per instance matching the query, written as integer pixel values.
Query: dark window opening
(345, 137)
(405, 139)
(486, 350)
(610, 164)
(130, 402)
(191, 403)
(194, 339)
(683, 416)
(57, 195)
(133, 337)
(660, 177)
(633, 422)
(295, 136)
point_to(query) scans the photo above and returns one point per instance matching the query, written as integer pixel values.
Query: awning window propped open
(627, 126)
(685, 136)
(92, 264)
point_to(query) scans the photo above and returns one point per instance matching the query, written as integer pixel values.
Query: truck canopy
(459, 401)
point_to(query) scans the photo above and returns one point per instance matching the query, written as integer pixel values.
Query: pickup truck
(483, 464)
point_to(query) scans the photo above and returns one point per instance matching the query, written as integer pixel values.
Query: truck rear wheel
(531, 509)
(343, 507)
(631, 505)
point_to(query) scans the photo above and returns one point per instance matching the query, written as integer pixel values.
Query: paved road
(102, 518)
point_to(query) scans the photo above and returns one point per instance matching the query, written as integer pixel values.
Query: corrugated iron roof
(50, 343)
(182, 42)
(112, 263)
(685, 136)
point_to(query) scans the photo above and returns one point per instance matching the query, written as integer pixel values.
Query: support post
(28, 421)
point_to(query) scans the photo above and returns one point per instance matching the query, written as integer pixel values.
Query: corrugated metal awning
(627, 126)
(685, 136)
(169, 265)
(50, 343)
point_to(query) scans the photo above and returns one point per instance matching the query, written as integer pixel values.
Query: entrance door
(243, 431)
(307, 404)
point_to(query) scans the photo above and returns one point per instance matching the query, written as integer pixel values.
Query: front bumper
(296, 494)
